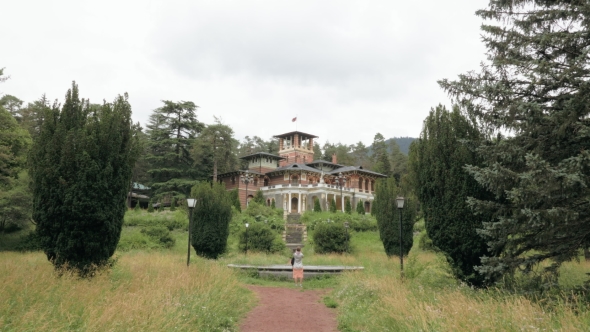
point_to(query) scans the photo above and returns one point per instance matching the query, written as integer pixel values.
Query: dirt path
(289, 310)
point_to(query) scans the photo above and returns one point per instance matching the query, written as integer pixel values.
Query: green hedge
(331, 237)
(261, 238)
(357, 222)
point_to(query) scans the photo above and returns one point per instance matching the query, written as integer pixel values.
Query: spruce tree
(81, 169)
(211, 219)
(360, 208)
(535, 87)
(316, 205)
(388, 218)
(438, 160)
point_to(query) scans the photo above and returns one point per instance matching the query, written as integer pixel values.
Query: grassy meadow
(153, 290)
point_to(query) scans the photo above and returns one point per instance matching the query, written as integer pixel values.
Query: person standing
(298, 267)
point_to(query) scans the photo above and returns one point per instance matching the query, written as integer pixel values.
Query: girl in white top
(298, 267)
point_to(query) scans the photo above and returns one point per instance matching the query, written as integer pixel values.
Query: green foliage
(137, 208)
(30, 242)
(16, 204)
(170, 219)
(357, 222)
(388, 217)
(261, 238)
(330, 237)
(235, 199)
(14, 146)
(380, 157)
(316, 205)
(171, 132)
(535, 87)
(211, 218)
(425, 243)
(214, 150)
(81, 169)
(438, 160)
(258, 198)
(161, 235)
(150, 208)
(173, 204)
(272, 204)
(360, 207)
(267, 215)
(333, 205)
(347, 205)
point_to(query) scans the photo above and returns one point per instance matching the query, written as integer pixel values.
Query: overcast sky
(346, 69)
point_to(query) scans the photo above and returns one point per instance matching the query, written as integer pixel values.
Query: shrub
(173, 204)
(262, 213)
(150, 207)
(30, 242)
(358, 223)
(235, 199)
(160, 235)
(258, 197)
(360, 208)
(333, 205)
(330, 238)
(137, 208)
(136, 241)
(426, 243)
(261, 238)
(272, 204)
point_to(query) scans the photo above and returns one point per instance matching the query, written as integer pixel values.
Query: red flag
(294, 119)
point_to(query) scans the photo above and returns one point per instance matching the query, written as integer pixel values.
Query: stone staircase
(295, 232)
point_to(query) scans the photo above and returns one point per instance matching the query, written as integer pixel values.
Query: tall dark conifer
(81, 168)
(535, 87)
(438, 159)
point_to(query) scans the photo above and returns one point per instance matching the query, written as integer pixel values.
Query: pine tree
(387, 215)
(535, 86)
(171, 131)
(316, 205)
(211, 219)
(81, 169)
(438, 160)
(380, 157)
(347, 205)
(360, 208)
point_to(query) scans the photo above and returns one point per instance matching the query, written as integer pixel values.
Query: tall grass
(144, 292)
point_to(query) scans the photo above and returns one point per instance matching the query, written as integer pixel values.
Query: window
(295, 180)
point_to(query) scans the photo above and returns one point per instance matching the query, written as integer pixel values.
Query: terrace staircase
(295, 233)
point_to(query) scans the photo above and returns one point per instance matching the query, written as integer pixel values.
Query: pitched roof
(358, 169)
(320, 161)
(262, 154)
(294, 167)
(293, 133)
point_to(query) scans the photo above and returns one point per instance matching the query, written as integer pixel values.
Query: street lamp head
(191, 202)
(247, 224)
(400, 202)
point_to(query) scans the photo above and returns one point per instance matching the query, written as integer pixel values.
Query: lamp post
(247, 238)
(340, 178)
(191, 202)
(246, 178)
(400, 206)
(346, 227)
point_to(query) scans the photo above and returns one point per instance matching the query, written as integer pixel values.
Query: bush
(262, 213)
(160, 235)
(316, 205)
(171, 220)
(426, 243)
(330, 237)
(30, 242)
(137, 241)
(211, 219)
(357, 223)
(261, 238)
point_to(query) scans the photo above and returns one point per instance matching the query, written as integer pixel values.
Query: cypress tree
(211, 219)
(347, 205)
(272, 204)
(535, 86)
(333, 205)
(81, 169)
(360, 208)
(316, 205)
(438, 160)
(387, 215)
(234, 196)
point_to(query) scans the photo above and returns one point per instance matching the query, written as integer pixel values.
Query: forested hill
(403, 143)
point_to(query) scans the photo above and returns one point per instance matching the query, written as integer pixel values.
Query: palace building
(293, 179)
